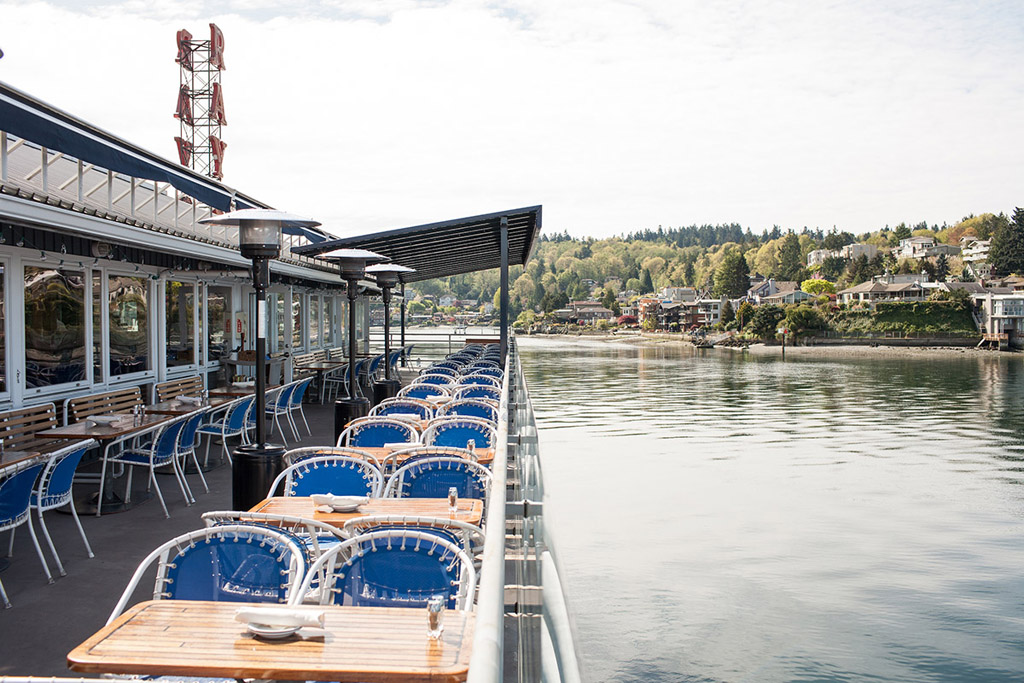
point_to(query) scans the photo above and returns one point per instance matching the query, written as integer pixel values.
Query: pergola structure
(453, 247)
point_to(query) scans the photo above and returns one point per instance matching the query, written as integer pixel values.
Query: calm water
(721, 517)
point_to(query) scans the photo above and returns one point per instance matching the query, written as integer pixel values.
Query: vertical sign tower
(200, 107)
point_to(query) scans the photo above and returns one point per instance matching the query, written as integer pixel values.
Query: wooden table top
(13, 457)
(176, 407)
(238, 392)
(87, 430)
(199, 638)
(321, 365)
(471, 510)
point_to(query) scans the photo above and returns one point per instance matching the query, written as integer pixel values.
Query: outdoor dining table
(14, 457)
(176, 407)
(321, 367)
(200, 638)
(471, 510)
(127, 426)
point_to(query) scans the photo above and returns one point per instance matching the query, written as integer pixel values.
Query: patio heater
(259, 239)
(353, 264)
(387, 275)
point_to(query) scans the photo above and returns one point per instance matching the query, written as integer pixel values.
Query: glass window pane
(329, 321)
(200, 318)
(314, 321)
(179, 301)
(218, 311)
(3, 329)
(99, 367)
(128, 306)
(296, 321)
(54, 326)
(281, 321)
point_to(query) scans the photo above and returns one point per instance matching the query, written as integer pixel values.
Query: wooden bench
(187, 386)
(120, 401)
(18, 428)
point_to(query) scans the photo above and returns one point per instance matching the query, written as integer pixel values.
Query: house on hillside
(678, 294)
(974, 250)
(757, 293)
(1001, 314)
(817, 257)
(447, 300)
(853, 251)
(790, 296)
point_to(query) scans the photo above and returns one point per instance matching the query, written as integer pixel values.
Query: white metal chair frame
(371, 473)
(297, 455)
(23, 517)
(471, 535)
(440, 423)
(436, 389)
(210, 430)
(294, 575)
(44, 501)
(359, 424)
(340, 556)
(393, 487)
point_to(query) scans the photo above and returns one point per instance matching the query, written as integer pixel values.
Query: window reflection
(280, 321)
(180, 332)
(3, 329)
(314, 321)
(54, 326)
(328, 321)
(98, 365)
(128, 305)
(296, 321)
(218, 311)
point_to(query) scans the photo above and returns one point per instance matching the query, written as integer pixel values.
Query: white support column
(45, 169)
(3, 156)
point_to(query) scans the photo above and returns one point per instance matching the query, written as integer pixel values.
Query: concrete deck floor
(49, 620)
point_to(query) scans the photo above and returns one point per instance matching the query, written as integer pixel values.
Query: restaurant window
(280, 321)
(314, 321)
(328, 316)
(218, 312)
(128, 306)
(54, 326)
(296, 321)
(3, 328)
(179, 300)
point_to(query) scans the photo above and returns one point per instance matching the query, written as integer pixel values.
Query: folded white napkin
(193, 400)
(408, 417)
(280, 616)
(243, 384)
(402, 445)
(328, 502)
(104, 419)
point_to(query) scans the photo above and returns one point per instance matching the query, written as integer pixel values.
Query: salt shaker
(435, 616)
(453, 501)
(471, 447)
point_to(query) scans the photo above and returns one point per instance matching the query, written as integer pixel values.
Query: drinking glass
(453, 501)
(435, 616)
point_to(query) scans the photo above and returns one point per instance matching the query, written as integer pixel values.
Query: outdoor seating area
(417, 533)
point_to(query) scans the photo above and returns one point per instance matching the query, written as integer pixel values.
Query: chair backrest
(186, 386)
(458, 431)
(478, 378)
(440, 370)
(376, 431)
(468, 536)
(410, 455)
(284, 397)
(433, 477)
(435, 379)
(314, 536)
(304, 453)
(471, 408)
(165, 443)
(489, 370)
(16, 482)
(53, 488)
(451, 364)
(341, 475)
(299, 391)
(478, 391)
(187, 435)
(394, 568)
(403, 406)
(417, 390)
(224, 563)
(238, 414)
(481, 364)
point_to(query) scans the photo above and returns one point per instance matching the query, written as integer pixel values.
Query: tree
(608, 299)
(731, 276)
(727, 313)
(646, 284)
(832, 267)
(765, 320)
(803, 319)
(744, 313)
(790, 260)
(1006, 255)
(818, 287)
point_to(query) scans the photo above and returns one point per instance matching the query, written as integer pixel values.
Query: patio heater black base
(346, 410)
(252, 473)
(385, 388)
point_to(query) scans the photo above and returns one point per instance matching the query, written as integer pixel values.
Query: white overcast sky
(615, 115)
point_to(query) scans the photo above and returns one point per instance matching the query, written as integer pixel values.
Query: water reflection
(745, 518)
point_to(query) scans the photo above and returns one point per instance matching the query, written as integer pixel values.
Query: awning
(462, 245)
(23, 116)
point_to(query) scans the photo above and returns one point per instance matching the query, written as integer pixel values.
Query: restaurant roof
(453, 247)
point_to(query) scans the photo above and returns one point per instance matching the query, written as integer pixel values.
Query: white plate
(272, 632)
(243, 384)
(105, 419)
(402, 445)
(338, 503)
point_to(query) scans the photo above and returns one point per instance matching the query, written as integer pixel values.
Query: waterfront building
(974, 250)
(766, 288)
(853, 251)
(818, 256)
(1001, 317)
(673, 294)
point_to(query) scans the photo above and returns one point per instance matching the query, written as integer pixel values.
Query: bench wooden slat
(18, 427)
(122, 400)
(187, 386)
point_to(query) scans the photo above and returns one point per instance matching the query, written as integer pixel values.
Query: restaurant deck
(47, 621)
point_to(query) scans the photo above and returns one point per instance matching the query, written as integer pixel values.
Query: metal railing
(520, 600)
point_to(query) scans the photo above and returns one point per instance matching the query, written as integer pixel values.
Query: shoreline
(816, 351)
